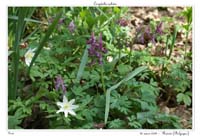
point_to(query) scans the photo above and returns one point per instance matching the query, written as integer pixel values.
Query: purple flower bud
(92, 39)
(71, 26)
(100, 61)
(141, 39)
(100, 41)
(61, 21)
(104, 50)
(139, 29)
(147, 32)
(122, 22)
(153, 39)
(159, 28)
(60, 83)
(50, 20)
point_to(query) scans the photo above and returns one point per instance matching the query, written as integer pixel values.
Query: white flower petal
(60, 104)
(28, 56)
(27, 62)
(33, 49)
(74, 106)
(71, 101)
(109, 58)
(66, 113)
(65, 99)
(67, 107)
(72, 112)
(59, 111)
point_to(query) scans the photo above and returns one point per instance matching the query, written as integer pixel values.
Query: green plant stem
(187, 34)
(102, 79)
(120, 52)
(130, 54)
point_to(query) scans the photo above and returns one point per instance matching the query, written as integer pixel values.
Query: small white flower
(47, 48)
(28, 56)
(109, 58)
(67, 107)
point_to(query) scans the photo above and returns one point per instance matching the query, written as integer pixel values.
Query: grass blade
(30, 35)
(18, 29)
(45, 39)
(83, 64)
(27, 20)
(128, 77)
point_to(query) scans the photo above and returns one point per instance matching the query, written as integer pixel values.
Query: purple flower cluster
(122, 22)
(59, 83)
(71, 26)
(60, 22)
(159, 29)
(146, 34)
(96, 49)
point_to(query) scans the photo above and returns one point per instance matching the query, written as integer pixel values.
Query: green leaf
(27, 20)
(146, 117)
(183, 98)
(116, 124)
(10, 52)
(13, 122)
(99, 101)
(180, 97)
(189, 93)
(123, 69)
(128, 77)
(116, 10)
(135, 124)
(187, 100)
(83, 64)
(120, 103)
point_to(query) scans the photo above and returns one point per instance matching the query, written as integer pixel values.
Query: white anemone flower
(28, 56)
(67, 107)
(109, 58)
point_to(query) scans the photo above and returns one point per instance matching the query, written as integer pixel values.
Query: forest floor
(141, 16)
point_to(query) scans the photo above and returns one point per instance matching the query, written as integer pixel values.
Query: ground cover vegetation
(100, 67)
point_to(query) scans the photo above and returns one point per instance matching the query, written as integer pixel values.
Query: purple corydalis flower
(100, 41)
(59, 83)
(61, 20)
(159, 28)
(146, 34)
(122, 22)
(71, 26)
(96, 49)
(141, 38)
(92, 39)
(150, 35)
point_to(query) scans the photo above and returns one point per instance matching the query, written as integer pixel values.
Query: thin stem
(130, 55)
(187, 34)
(102, 79)
(120, 54)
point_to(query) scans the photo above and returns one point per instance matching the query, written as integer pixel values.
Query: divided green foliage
(128, 77)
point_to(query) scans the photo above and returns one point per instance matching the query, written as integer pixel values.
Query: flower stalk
(102, 79)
